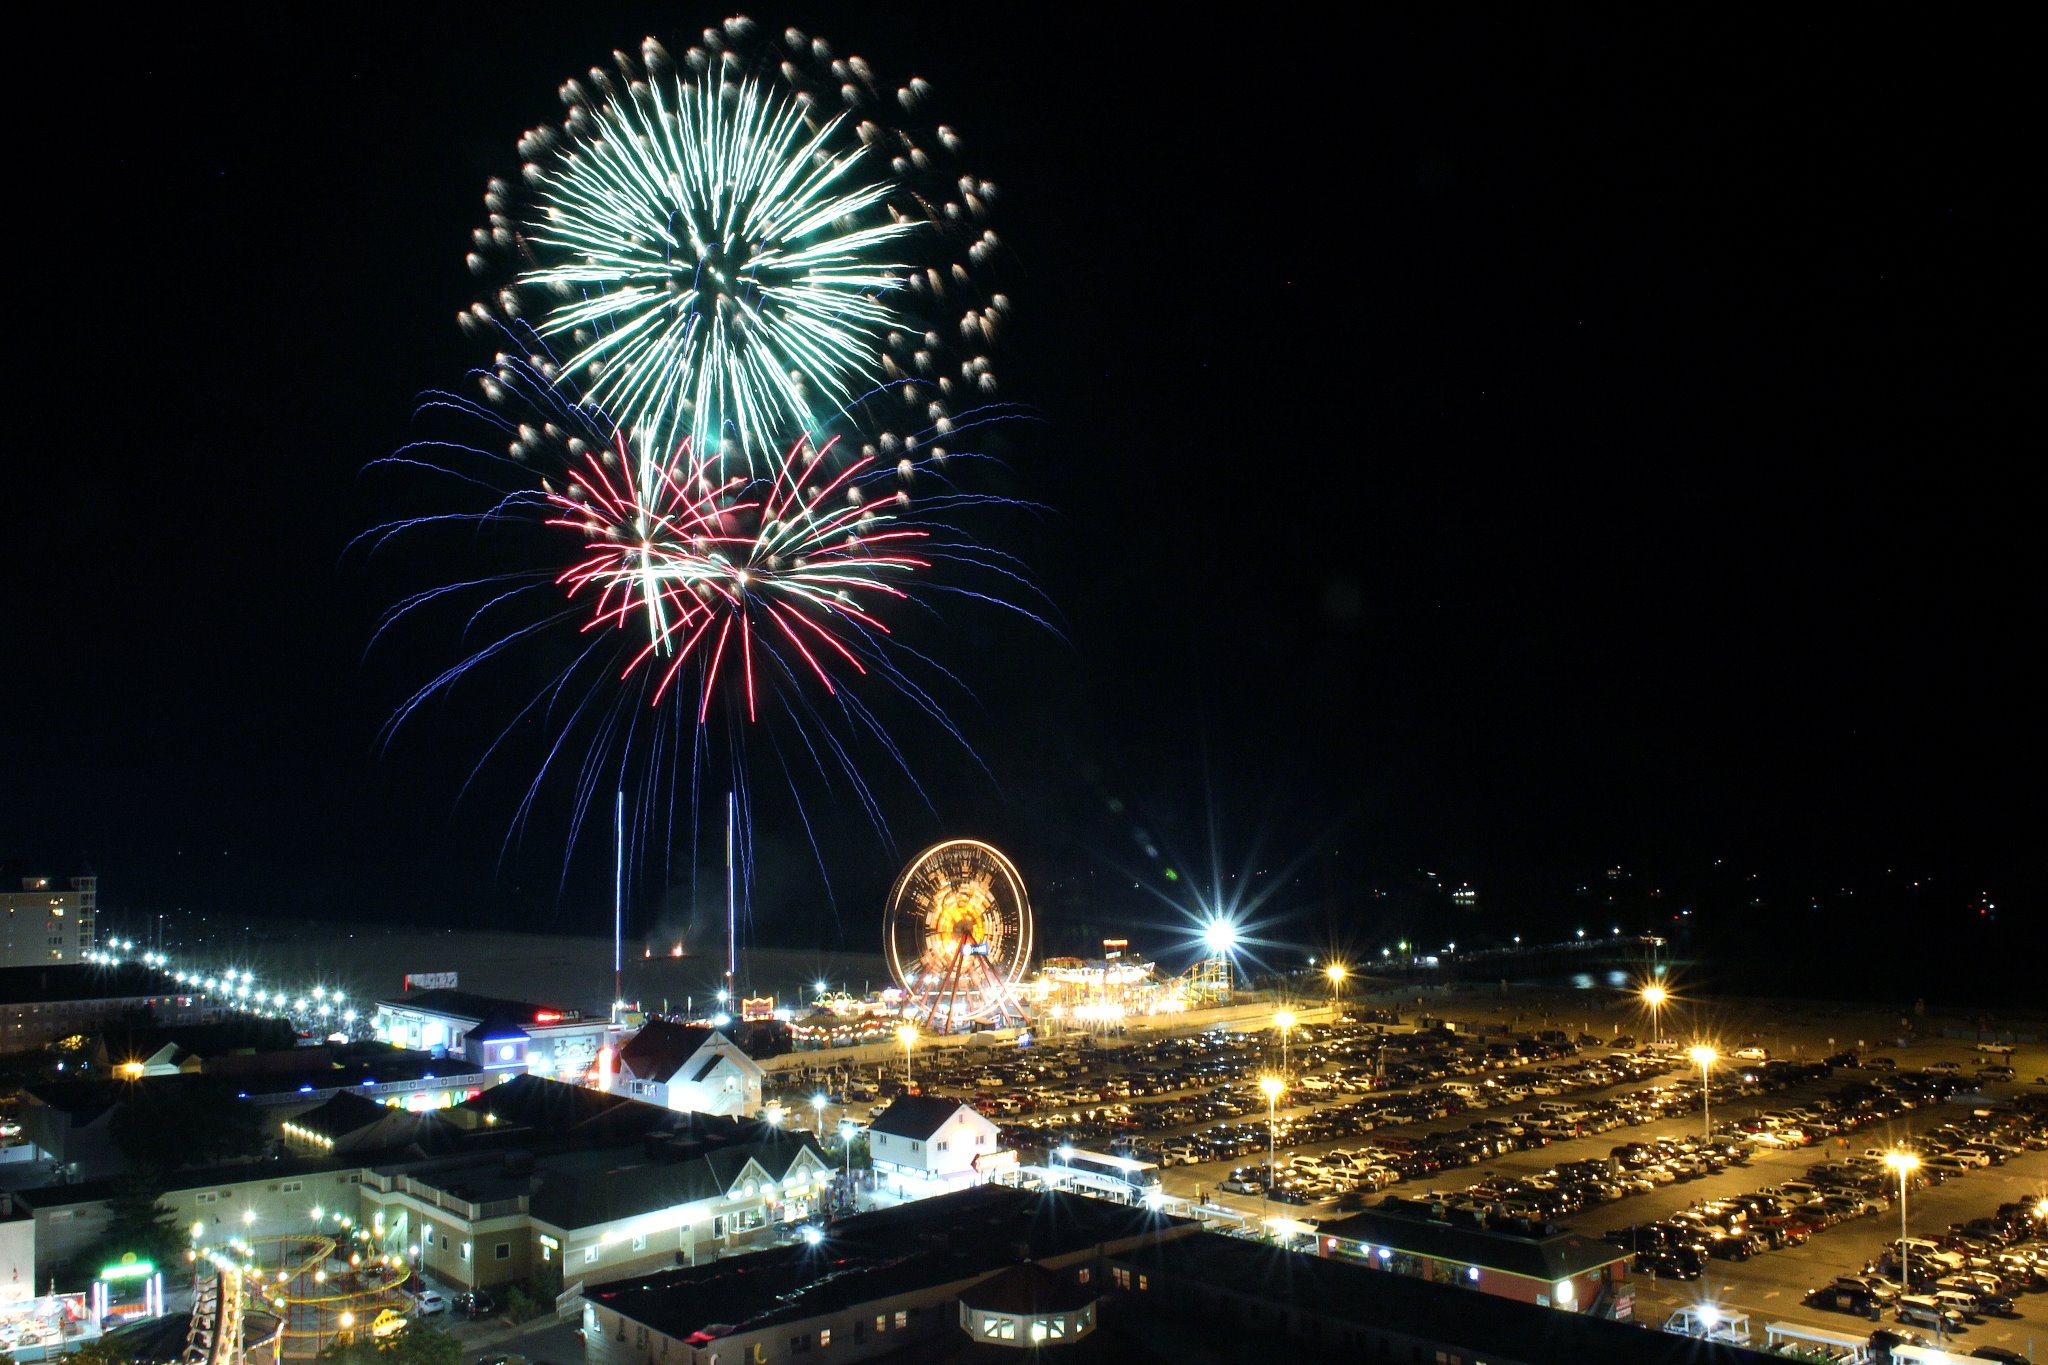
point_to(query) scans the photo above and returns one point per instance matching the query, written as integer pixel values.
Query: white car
(427, 1304)
(1751, 1054)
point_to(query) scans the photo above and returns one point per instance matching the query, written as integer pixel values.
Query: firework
(705, 601)
(735, 249)
(706, 564)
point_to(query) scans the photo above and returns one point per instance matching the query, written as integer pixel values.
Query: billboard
(430, 981)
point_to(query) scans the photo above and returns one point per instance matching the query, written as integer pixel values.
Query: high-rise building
(50, 919)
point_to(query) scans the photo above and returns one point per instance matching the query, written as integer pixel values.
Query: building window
(902, 1318)
(465, 1250)
(590, 1255)
(1084, 1275)
(881, 1323)
(291, 1187)
(503, 1251)
(640, 1242)
(1120, 1277)
(824, 1337)
(942, 1146)
(999, 1329)
(209, 1198)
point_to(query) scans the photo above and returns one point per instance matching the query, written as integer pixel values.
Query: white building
(499, 1037)
(50, 919)
(931, 1144)
(688, 1067)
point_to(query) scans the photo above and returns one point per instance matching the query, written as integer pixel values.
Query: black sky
(1503, 445)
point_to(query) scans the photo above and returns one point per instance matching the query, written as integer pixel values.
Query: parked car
(428, 1303)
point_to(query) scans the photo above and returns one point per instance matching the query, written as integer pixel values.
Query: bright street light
(1220, 935)
(1905, 1163)
(1284, 1020)
(1704, 1057)
(907, 1035)
(1654, 996)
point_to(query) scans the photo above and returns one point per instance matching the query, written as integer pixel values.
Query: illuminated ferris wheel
(958, 927)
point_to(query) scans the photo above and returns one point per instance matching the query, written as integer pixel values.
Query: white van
(1462, 1089)
(1556, 1107)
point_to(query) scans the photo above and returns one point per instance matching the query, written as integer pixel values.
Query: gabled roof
(346, 1113)
(582, 1191)
(662, 1048)
(497, 1026)
(916, 1116)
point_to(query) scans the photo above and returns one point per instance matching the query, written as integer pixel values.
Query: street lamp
(1705, 1057)
(1285, 1020)
(1271, 1086)
(1335, 971)
(818, 1103)
(1654, 996)
(1905, 1163)
(907, 1035)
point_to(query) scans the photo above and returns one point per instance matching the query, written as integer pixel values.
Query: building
(1558, 1269)
(500, 1037)
(45, 1004)
(1239, 1300)
(531, 1172)
(995, 1261)
(930, 1144)
(49, 920)
(692, 1068)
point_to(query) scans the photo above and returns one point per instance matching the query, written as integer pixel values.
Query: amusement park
(958, 934)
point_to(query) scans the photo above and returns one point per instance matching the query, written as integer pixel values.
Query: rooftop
(950, 1239)
(1489, 1326)
(661, 1048)
(1554, 1256)
(915, 1116)
(86, 981)
(479, 1008)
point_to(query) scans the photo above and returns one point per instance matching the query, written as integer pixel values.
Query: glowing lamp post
(1335, 971)
(1271, 1086)
(1705, 1057)
(1905, 1163)
(1654, 997)
(907, 1035)
(1284, 1020)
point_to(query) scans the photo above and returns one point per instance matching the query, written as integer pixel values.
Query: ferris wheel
(958, 927)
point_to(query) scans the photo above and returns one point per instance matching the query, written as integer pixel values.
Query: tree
(418, 1344)
(205, 1121)
(139, 1222)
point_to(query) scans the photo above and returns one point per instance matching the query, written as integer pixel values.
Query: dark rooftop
(1552, 1257)
(479, 1008)
(86, 981)
(915, 1116)
(660, 1048)
(1027, 1289)
(1208, 1269)
(873, 1256)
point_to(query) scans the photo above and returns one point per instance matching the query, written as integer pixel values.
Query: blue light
(305, 1090)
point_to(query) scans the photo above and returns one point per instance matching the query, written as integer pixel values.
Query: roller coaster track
(215, 1336)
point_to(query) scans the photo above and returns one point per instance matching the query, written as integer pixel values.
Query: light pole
(1335, 971)
(1705, 1057)
(1272, 1086)
(907, 1035)
(1654, 996)
(1905, 1163)
(818, 1102)
(1285, 1019)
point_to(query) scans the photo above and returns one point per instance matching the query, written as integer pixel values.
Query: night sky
(1506, 448)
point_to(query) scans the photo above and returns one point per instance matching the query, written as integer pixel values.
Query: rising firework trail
(744, 246)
